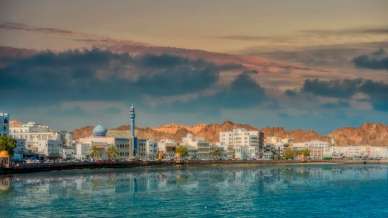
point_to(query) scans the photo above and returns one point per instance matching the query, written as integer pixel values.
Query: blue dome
(99, 131)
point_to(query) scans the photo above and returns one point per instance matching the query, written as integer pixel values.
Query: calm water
(211, 191)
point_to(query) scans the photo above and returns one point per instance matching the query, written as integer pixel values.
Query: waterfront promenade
(42, 167)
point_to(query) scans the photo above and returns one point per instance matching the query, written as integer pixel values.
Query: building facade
(96, 146)
(318, 149)
(357, 152)
(198, 147)
(242, 144)
(4, 124)
(39, 139)
(148, 149)
(166, 149)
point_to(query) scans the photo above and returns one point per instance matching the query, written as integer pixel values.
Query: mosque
(96, 146)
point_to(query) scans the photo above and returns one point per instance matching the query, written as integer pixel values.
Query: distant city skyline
(297, 64)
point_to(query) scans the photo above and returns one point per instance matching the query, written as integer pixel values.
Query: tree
(288, 154)
(112, 152)
(95, 152)
(305, 152)
(216, 153)
(161, 155)
(7, 144)
(181, 151)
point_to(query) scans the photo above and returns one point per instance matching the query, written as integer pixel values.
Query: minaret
(132, 117)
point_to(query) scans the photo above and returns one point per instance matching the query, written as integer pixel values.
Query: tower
(132, 117)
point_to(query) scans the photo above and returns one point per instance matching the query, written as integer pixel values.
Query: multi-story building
(198, 147)
(68, 149)
(242, 143)
(378, 152)
(68, 153)
(39, 139)
(166, 149)
(277, 144)
(318, 149)
(148, 149)
(4, 124)
(359, 152)
(100, 142)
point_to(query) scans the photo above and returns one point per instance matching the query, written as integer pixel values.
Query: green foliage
(95, 152)
(289, 154)
(112, 152)
(216, 153)
(7, 143)
(305, 152)
(182, 151)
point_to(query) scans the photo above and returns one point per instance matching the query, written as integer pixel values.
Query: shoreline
(34, 168)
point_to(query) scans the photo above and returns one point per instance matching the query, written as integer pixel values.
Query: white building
(4, 124)
(38, 139)
(360, 152)
(241, 143)
(101, 143)
(378, 152)
(199, 148)
(245, 152)
(318, 149)
(68, 153)
(268, 155)
(278, 144)
(148, 149)
(166, 149)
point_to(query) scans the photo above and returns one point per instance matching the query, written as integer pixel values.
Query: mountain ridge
(375, 134)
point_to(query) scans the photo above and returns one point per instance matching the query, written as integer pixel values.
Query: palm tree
(181, 151)
(7, 144)
(288, 154)
(216, 153)
(95, 152)
(112, 152)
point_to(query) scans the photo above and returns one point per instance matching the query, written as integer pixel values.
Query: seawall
(31, 168)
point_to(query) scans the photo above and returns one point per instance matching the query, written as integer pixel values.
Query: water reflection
(132, 190)
(274, 178)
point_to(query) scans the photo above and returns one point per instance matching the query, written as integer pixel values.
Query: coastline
(130, 164)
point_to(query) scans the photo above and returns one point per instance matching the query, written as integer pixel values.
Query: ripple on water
(201, 191)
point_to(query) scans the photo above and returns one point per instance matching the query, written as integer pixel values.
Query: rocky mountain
(209, 132)
(82, 132)
(375, 134)
(298, 135)
(367, 134)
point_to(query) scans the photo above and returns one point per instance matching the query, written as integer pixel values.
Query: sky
(291, 63)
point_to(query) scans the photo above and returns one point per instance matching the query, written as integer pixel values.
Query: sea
(234, 190)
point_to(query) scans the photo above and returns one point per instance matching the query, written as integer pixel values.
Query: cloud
(24, 27)
(346, 89)
(88, 39)
(332, 88)
(365, 30)
(378, 60)
(102, 75)
(244, 37)
(242, 93)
